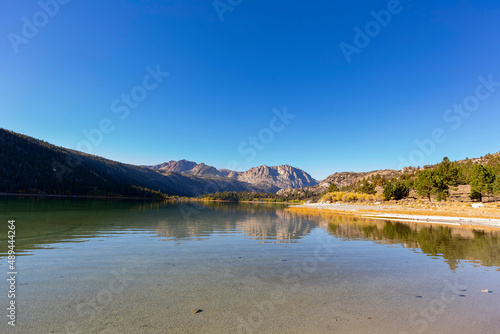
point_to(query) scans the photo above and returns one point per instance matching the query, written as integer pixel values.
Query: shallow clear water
(97, 266)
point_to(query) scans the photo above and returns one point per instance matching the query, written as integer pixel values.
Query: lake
(124, 266)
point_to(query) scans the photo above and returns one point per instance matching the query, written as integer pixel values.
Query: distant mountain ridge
(189, 167)
(283, 176)
(32, 166)
(341, 179)
(272, 178)
(346, 179)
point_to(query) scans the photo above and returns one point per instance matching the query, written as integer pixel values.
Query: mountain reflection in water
(52, 223)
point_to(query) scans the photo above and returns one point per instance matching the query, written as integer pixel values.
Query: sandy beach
(459, 214)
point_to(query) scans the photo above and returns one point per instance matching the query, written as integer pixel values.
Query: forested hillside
(31, 166)
(28, 165)
(481, 176)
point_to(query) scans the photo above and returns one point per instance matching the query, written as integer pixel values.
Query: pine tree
(425, 184)
(401, 190)
(448, 172)
(367, 187)
(431, 182)
(496, 185)
(388, 191)
(482, 182)
(333, 188)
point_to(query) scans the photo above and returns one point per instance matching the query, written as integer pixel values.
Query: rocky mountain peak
(283, 176)
(273, 178)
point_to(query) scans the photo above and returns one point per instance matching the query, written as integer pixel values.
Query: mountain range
(341, 179)
(32, 166)
(271, 178)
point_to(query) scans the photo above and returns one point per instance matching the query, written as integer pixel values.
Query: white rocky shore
(384, 212)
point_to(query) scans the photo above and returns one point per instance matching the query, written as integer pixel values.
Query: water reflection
(43, 223)
(453, 244)
(258, 221)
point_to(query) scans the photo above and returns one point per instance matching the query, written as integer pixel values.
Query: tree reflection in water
(454, 244)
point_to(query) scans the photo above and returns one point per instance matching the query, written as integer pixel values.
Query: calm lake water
(104, 266)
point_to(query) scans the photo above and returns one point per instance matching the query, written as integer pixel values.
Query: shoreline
(178, 199)
(441, 215)
(84, 197)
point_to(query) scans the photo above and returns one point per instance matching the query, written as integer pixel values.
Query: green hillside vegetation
(430, 182)
(233, 196)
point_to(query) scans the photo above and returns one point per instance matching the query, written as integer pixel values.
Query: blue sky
(71, 71)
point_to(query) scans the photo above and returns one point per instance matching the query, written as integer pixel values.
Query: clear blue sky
(226, 77)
